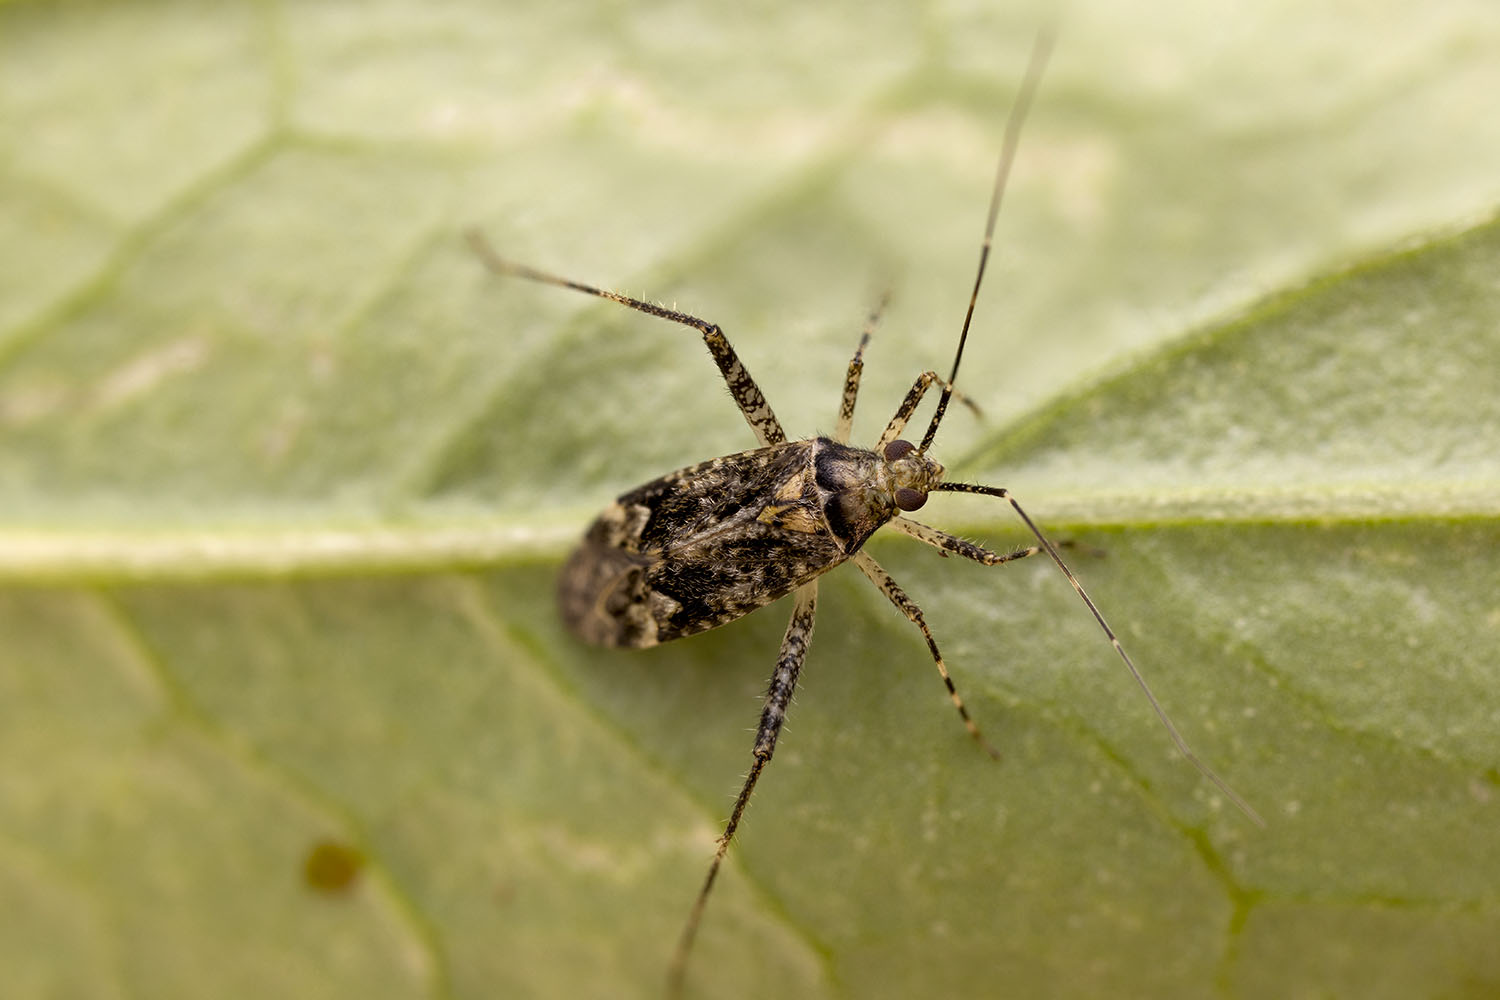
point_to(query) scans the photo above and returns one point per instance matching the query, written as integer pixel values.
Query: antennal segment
(1161, 713)
(1041, 49)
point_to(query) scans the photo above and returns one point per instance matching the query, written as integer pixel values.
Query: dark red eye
(899, 449)
(908, 498)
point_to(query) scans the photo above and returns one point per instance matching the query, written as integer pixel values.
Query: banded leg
(1109, 633)
(845, 425)
(947, 543)
(747, 394)
(870, 568)
(778, 698)
(913, 399)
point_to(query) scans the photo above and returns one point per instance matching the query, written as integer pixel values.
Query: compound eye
(899, 449)
(906, 497)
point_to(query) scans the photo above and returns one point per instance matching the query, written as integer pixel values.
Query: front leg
(913, 399)
(947, 543)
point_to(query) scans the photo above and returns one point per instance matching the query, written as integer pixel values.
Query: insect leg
(856, 368)
(913, 398)
(1041, 49)
(747, 394)
(778, 698)
(870, 568)
(947, 543)
(1114, 640)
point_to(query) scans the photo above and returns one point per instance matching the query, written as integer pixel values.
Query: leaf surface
(285, 478)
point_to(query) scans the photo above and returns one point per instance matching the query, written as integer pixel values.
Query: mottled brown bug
(705, 545)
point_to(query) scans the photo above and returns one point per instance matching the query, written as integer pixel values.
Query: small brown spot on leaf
(331, 867)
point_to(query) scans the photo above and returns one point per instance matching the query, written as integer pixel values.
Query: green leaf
(285, 478)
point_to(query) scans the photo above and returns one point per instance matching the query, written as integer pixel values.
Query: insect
(705, 545)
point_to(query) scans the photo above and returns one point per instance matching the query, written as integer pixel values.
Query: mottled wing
(698, 548)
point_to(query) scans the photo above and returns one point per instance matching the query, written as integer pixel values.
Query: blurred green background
(285, 477)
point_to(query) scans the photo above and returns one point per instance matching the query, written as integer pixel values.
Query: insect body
(707, 544)
(710, 543)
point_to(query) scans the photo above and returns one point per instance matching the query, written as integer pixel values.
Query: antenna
(1041, 49)
(1161, 713)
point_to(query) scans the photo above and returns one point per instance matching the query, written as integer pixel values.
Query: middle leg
(845, 425)
(870, 568)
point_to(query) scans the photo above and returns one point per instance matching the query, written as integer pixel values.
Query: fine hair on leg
(778, 698)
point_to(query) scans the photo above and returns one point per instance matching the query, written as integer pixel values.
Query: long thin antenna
(1182, 747)
(1041, 49)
